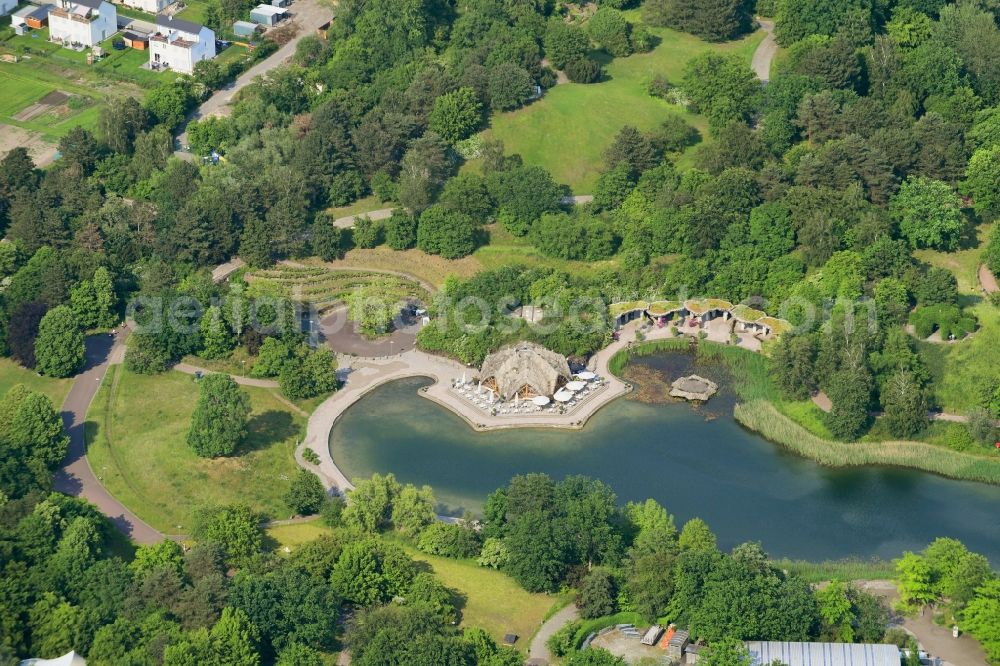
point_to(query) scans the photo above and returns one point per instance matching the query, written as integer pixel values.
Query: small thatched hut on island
(524, 369)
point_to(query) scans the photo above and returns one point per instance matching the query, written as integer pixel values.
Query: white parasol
(586, 375)
(563, 395)
(575, 386)
(541, 400)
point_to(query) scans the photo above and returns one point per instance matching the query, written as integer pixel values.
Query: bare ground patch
(42, 151)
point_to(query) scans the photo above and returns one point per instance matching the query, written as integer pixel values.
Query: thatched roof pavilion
(525, 369)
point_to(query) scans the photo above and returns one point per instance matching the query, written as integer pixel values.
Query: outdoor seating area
(574, 393)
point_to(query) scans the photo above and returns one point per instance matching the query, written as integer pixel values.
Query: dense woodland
(878, 135)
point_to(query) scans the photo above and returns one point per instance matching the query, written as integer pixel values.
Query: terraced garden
(327, 288)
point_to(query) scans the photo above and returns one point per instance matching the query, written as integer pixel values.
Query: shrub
(401, 230)
(449, 540)
(509, 86)
(368, 233)
(310, 456)
(583, 70)
(658, 86)
(610, 30)
(306, 494)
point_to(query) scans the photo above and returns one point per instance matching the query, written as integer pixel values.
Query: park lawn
(11, 373)
(493, 600)
(505, 249)
(136, 432)
(568, 129)
(359, 207)
(958, 368)
(26, 82)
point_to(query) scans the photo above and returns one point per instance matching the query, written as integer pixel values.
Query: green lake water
(694, 461)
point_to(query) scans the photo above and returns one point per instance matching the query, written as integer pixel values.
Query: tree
(982, 617)
(564, 43)
(401, 230)
(22, 331)
(509, 86)
(34, 426)
(537, 559)
(915, 586)
(929, 213)
(721, 86)
(522, 195)
(835, 612)
(632, 148)
(593, 657)
(982, 180)
(297, 654)
(367, 232)
(456, 541)
(456, 115)
(211, 134)
(235, 639)
(905, 405)
(166, 553)
(797, 19)
(609, 29)
(219, 421)
(850, 393)
(413, 510)
(711, 20)
(217, 339)
(596, 596)
(306, 494)
(446, 232)
(59, 346)
(423, 170)
(727, 652)
(584, 70)
(371, 500)
(327, 240)
(696, 536)
(793, 366)
(235, 527)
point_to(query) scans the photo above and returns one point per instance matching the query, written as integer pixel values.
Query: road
(308, 15)
(539, 650)
(76, 477)
(765, 52)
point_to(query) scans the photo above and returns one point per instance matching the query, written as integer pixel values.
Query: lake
(696, 461)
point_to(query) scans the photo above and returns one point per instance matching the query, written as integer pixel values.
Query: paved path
(76, 476)
(223, 271)
(987, 280)
(538, 649)
(765, 52)
(936, 641)
(308, 15)
(189, 369)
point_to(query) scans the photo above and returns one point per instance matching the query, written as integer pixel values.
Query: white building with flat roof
(87, 22)
(179, 45)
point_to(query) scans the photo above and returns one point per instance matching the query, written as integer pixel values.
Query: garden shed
(267, 15)
(244, 28)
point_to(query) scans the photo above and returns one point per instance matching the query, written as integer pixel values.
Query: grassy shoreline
(760, 412)
(767, 421)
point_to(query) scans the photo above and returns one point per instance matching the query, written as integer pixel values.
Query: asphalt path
(76, 477)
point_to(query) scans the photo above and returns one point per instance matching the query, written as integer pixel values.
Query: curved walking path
(766, 50)
(987, 280)
(189, 369)
(539, 650)
(362, 376)
(76, 477)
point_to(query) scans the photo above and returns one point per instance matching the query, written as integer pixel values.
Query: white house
(179, 44)
(86, 22)
(150, 6)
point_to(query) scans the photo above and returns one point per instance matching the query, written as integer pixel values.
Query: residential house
(87, 22)
(150, 6)
(180, 44)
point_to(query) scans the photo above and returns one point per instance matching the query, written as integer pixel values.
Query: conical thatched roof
(525, 365)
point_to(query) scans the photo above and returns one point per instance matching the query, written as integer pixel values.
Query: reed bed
(848, 569)
(764, 418)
